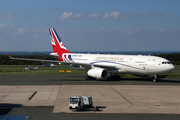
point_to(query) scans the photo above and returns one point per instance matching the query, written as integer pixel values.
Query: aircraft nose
(171, 67)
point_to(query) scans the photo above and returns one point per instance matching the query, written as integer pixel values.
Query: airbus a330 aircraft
(99, 66)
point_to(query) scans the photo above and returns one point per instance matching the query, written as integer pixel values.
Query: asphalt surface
(79, 79)
(45, 112)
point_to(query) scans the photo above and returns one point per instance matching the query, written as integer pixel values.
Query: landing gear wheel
(117, 77)
(87, 77)
(155, 78)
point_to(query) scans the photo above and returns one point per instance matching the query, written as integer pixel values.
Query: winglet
(9, 56)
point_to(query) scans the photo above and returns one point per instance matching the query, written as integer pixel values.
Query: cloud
(21, 30)
(2, 25)
(35, 35)
(6, 16)
(130, 31)
(161, 30)
(36, 30)
(120, 16)
(124, 16)
(71, 16)
(66, 15)
(154, 14)
(93, 15)
(10, 15)
(78, 15)
(101, 28)
(115, 15)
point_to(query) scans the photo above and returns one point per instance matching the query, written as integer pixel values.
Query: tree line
(4, 60)
(174, 58)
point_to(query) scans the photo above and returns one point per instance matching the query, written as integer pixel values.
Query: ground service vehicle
(87, 101)
(76, 103)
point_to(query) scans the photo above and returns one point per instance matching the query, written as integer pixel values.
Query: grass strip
(14, 70)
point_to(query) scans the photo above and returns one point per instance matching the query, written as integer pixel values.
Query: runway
(149, 100)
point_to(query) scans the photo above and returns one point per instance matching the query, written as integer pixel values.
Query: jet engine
(98, 73)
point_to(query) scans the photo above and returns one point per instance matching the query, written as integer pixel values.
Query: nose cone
(171, 67)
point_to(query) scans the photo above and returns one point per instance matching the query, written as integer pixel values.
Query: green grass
(20, 72)
(15, 70)
(38, 72)
(177, 69)
(170, 75)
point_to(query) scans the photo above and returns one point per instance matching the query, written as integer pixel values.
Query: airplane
(101, 66)
(31, 68)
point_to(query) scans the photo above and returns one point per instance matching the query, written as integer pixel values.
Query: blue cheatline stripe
(79, 59)
(118, 64)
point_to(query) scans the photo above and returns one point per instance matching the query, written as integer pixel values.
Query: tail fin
(57, 44)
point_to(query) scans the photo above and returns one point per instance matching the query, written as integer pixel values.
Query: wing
(50, 61)
(85, 66)
(54, 61)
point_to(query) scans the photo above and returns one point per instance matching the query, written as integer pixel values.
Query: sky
(90, 25)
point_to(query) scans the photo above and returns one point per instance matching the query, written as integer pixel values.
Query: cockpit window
(166, 62)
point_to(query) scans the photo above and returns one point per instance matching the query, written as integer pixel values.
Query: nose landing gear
(155, 78)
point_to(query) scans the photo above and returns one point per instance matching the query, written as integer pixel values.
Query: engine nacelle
(48, 64)
(98, 73)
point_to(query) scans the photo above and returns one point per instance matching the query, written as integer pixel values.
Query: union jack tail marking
(57, 44)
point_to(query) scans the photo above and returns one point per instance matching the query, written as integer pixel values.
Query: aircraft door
(151, 64)
(130, 62)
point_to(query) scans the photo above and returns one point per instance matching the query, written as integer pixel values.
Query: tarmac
(108, 98)
(46, 97)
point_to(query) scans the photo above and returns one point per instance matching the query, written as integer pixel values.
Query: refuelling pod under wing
(48, 64)
(98, 73)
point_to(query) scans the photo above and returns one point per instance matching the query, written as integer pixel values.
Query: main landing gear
(115, 77)
(156, 78)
